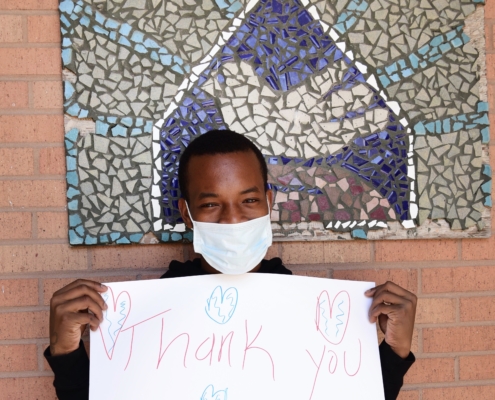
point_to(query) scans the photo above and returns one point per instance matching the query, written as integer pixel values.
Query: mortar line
(25, 374)
(24, 242)
(31, 111)
(40, 357)
(29, 12)
(33, 209)
(15, 310)
(456, 368)
(32, 177)
(34, 77)
(77, 273)
(29, 45)
(438, 385)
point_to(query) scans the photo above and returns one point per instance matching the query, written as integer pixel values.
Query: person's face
(225, 189)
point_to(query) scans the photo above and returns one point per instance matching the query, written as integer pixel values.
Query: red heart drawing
(114, 319)
(333, 327)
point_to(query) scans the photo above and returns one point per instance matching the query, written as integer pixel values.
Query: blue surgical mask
(233, 248)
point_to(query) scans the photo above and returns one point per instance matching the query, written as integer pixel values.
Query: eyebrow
(253, 189)
(205, 195)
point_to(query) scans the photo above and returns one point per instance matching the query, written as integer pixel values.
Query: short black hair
(218, 141)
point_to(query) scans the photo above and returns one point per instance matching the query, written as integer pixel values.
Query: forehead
(221, 171)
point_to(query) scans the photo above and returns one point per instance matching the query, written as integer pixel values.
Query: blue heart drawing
(221, 305)
(210, 394)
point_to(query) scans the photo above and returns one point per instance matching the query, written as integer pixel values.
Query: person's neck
(209, 269)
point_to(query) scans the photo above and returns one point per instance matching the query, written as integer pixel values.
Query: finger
(84, 319)
(92, 284)
(80, 305)
(382, 309)
(79, 291)
(392, 288)
(388, 298)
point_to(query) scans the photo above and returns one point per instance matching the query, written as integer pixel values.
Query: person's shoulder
(178, 269)
(274, 266)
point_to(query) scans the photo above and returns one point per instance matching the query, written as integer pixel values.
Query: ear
(270, 197)
(184, 213)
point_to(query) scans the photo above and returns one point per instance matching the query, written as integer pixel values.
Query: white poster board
(221, 337)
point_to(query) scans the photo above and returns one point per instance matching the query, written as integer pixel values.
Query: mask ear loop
(190, 215)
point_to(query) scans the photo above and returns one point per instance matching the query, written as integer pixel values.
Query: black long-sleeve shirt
(72, 370)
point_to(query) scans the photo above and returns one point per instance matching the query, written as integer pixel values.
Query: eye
(250, 201)
(208, 205)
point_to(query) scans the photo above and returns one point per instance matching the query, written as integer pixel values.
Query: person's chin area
(208, 268)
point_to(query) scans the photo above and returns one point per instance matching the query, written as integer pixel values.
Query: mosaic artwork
(372, 115)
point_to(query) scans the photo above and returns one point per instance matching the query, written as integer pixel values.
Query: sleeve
(394, 368)
(71, 374)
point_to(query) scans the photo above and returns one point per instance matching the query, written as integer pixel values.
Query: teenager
(223, 180)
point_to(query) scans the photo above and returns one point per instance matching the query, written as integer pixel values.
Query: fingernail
(369, 291)
(105, 306)
(103, 286)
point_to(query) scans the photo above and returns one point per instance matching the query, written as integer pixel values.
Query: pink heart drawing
(332, 317)
(114, 319)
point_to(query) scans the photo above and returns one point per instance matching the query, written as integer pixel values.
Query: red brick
(18, 292)
(44, 28)
(49, 193)
(10, 28)
(24, 325)
(30, 61)
(31, 129)
(47, 94)
(490, 66)
(303, 253)
(489, 9)
(50, 286)
(346, 251)
(311, 273)
(273, 251)
(15, 225)
(477, 367)
(477, 308)
(39, 388)
(52, 161)
(406, 278)
(478, 249)
(52, 225)
(491, 114)
(408, 395)
(430, 370)
(16, 161)
(28, 5)
(460, 393)
(463, 338)
(47, 257)
(18, 358)
(415, 250)
(461, 279)
(435, 311)
(137, 256)
(14, 95)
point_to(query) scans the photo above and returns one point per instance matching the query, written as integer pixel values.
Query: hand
(395, 309)
(69, 314)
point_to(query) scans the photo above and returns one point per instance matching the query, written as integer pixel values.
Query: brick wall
(454, 279)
